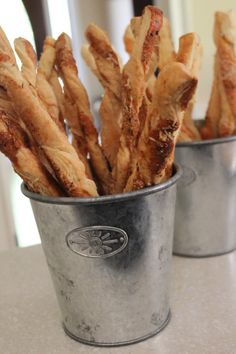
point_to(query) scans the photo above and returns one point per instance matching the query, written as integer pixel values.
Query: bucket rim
(216, 141)
(199, 123)
(107, 198)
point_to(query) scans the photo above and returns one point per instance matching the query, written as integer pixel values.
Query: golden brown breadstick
(44, 89)
(71, 114)
(68, 71)
(225, 40)
(164, 52)
(105, 65)
(68, 168)
(78, 138)
(28, 58)
(47, 58)
(106, 59)
(190, 54)
(14, 144)
(133, 90)
(173, 89)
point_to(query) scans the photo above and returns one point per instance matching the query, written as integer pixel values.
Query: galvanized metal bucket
(205, 223)
(110, 259)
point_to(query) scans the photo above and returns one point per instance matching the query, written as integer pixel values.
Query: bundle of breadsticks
(221, 113)
(220, 120)
(141, 114)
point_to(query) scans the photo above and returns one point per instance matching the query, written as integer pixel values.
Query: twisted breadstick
(14, 144)
(106, 59)
(68, 70)
(190, 54)
(57, 89)
(135, 24)
(78, 138)
(133, 90)
(225, 40)
(173, 89)
(105, 64)
(44, 89)
(221, 113)
(164, 52)
(68, 169)
(109, 111)
(110, 114)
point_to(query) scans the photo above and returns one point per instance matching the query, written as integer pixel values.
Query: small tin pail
(109, 258)
(205, 223)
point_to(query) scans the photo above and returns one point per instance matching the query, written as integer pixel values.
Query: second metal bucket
(205, 223)
(110, 258)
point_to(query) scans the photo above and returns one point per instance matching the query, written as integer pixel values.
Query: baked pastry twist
(221, 114)
(133, 91)
(68, 71)
(190, 54)
(104, 62)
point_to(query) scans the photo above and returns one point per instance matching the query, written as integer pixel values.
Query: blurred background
(33, 20)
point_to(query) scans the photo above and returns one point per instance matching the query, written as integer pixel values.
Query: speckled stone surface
(203, 304)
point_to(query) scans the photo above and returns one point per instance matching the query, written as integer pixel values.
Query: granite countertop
(203, 304)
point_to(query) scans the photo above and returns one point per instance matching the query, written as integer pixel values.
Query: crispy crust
(68, 71)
